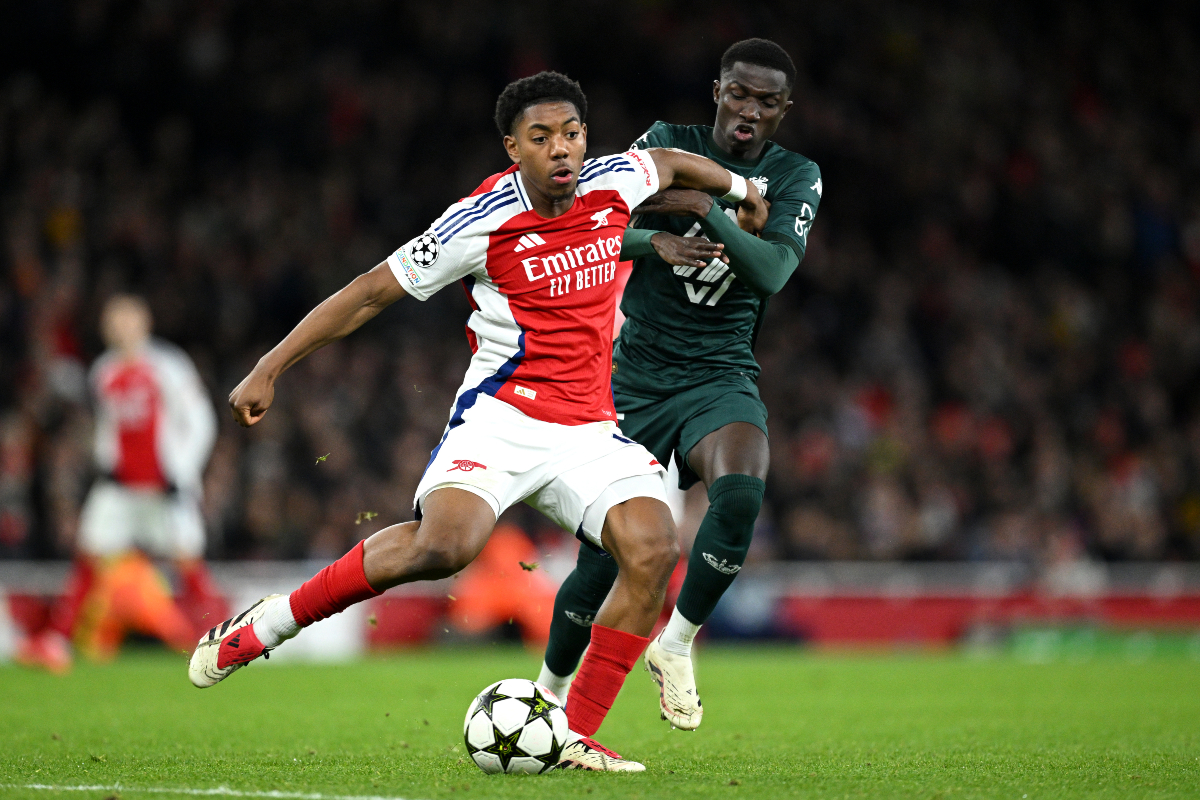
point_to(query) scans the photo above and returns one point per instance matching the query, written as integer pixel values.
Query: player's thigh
(726, 433)
(107, 520)
(453, 530)
(639, 533)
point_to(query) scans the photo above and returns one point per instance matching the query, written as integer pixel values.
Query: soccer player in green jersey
(684, 370)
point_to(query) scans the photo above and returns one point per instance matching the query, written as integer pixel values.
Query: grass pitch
(779, 722)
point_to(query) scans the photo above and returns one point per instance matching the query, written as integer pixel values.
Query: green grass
(780, 722)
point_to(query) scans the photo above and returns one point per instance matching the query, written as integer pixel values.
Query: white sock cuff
(555, 683)
(277, 624)
(677, 637)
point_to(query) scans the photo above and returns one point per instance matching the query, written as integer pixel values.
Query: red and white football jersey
(155, 424)
(543, 290)
(129, 392)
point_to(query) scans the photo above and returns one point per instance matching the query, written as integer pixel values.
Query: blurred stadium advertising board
(822, 603)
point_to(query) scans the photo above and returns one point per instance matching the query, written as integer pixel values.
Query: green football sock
(721, 544)
(575, 606)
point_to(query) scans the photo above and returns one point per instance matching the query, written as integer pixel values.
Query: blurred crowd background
(990, 351)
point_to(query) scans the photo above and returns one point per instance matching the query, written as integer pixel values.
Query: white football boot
(228, 647)
(585, 753)
(678, 700)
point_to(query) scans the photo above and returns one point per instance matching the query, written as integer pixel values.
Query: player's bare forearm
(689, 171)
(337, 316)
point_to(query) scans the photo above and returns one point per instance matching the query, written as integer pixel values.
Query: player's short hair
(762, 52)
(544, 87)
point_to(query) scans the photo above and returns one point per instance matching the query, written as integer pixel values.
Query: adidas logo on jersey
(527, 242)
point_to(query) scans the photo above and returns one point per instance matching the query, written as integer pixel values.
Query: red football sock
(197, 581)
(335, 588)
(79, 583)
(609, 659)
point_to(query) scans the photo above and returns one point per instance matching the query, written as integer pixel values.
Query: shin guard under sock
(609, 659)
(721, 544)
(335, 588)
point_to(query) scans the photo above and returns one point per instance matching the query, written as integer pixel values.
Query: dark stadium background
(990, 351)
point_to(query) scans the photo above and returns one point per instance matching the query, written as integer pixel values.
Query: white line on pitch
(219, 791)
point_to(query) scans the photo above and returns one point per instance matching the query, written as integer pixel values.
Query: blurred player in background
(683, 368)
(536, 249)
(154, 430)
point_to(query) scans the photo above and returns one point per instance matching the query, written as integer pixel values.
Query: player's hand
(686, 251)
(752, 212)
(677, 203)
(252, 397)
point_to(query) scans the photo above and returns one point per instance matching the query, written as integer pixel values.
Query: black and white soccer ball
(424, 249)
(515, 726)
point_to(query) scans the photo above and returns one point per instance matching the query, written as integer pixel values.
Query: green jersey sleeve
(794, 208)
(661, 134)
(764, 266)
(636, 244)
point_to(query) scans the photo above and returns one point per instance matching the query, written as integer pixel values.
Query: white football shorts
(505, 456)
(117, 518)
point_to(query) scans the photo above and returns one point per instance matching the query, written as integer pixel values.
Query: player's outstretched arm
(339, 315)
(689, 171)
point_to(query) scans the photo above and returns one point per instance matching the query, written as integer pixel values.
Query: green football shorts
(676, 422)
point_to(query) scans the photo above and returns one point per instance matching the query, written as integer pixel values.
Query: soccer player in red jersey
(154, 429)
(535, 248)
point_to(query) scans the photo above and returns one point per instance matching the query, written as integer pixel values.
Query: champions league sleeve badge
(424, 250)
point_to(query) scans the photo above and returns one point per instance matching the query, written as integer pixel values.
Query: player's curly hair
(544, 87)
(762, 52)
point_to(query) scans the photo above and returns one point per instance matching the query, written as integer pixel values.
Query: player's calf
(640, 535)
(456, 526)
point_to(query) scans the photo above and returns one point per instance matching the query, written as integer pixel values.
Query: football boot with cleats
(228, 647)
(585, 753)
(678, 700)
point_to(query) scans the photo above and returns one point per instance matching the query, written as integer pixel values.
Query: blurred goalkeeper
(154, 431)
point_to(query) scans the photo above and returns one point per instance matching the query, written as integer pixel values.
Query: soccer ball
(515, 726)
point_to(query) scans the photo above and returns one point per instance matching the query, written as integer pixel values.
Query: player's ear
(510, 145)
(583, 135)
(786, 106)
(716, 91)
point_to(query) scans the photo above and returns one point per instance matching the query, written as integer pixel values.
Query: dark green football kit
(684, 366)
(684, 363)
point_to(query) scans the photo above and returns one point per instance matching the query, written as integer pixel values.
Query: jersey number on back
(707, 284)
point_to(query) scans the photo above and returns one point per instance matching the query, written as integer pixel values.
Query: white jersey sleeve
(633, 175)
(456, 244)
(190, 422)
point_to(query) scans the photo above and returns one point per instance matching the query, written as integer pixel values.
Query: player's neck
(545, 205)
(130, 352)
(750, 154)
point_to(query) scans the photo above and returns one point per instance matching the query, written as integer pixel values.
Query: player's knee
(656, 556)
(736, 498)
(445, 558)
(439, 551)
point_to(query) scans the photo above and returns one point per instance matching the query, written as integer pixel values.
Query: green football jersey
(685, 325)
